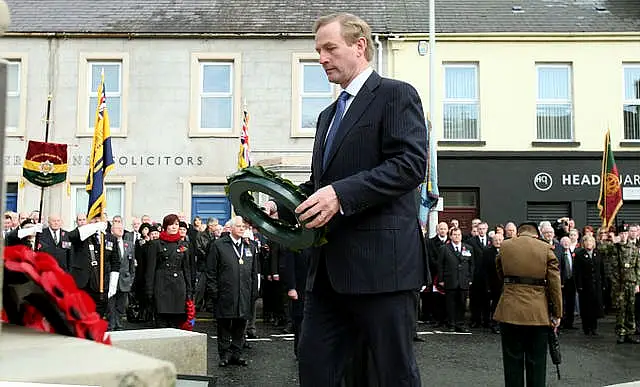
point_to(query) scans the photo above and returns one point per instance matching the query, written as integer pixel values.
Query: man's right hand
(441, 284)
(555, 322)
(292, 294)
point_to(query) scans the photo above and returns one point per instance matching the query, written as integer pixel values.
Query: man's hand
(423, 288)
(276, 277)
(292, 294)
(321, 206)
(555, 322)
(441, 284)
(637, 289)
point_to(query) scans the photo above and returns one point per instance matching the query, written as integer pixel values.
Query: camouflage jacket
(624, 264)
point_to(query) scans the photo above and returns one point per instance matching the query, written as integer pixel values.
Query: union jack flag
(244, 155)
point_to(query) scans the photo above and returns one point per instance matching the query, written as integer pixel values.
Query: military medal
(627, 265)
(240, 261)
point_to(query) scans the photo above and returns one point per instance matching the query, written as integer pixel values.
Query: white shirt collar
(356, 84)
(235, 241)
(459, 246)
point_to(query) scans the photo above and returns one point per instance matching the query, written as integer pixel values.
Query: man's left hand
(321, 206)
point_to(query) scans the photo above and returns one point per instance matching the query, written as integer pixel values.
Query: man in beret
(530, 272)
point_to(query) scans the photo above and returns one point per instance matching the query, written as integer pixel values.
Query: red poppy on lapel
(573, 254)
(39, 246)
(182, 249)
(126, 245)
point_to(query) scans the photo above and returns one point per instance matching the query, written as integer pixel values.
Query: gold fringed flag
(45, 163)
(610, 199)
(101, 158)
(244, 155)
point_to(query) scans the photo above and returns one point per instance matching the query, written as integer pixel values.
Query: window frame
(197, 63)
(569, 66)
(78, 181)
(22, 59)
(298, 60)
(625, 101)
(476, 67)
(84, 92)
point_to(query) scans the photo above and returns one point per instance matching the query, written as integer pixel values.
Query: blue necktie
(342, 103)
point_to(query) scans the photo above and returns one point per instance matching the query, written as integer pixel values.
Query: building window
(14, 81)
(311, 94)
(115, 196)
(316, 94)
(631, 107)
(554, 107)
(113, 90)
(461, 102)
(215, 94)
(115, 67)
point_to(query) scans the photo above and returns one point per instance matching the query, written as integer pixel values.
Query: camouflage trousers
(625, 317)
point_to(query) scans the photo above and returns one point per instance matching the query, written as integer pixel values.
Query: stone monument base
(30, 356)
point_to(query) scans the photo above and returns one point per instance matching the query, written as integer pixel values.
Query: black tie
(55, 237)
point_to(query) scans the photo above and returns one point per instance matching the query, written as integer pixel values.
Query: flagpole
(433, 213)
(46, 139)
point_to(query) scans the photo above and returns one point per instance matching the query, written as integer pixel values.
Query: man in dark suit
(432, 301)
(455, 273)
(478, 295)
(369, 157)
(85, 266)
(54, 241)
(118, 304)
(565, 258)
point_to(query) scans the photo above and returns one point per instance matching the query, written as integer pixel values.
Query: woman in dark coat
(588, 273)
(168, 279)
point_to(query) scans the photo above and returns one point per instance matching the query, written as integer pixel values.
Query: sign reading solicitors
(543, 181)
(139, 161)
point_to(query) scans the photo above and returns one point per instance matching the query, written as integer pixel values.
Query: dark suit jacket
(62, 251)
(456, 269)
(377, 160)
(82, 270)
(478, 251)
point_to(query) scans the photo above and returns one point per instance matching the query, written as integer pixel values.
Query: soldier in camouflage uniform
(625, 278)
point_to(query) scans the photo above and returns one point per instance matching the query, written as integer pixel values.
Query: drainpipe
(376, 39)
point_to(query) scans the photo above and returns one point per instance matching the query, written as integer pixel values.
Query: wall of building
(508, 83)
(157, 157)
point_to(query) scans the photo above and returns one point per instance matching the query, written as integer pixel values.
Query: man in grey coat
(232, 275)
(118, 304)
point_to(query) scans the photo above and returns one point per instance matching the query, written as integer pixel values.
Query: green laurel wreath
(239, 189)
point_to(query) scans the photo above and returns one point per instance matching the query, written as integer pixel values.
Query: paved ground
(444, 359)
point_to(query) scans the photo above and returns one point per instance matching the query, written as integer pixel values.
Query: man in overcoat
(232, 275)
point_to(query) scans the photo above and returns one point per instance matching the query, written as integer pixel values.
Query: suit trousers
(100, 299)
(568, 302)
(524, 352)
(230, 337)
(117, 309)
(455, 300)
(334, 323)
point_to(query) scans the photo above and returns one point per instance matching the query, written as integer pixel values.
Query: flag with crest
(45, 163)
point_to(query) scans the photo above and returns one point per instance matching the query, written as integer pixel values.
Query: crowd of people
(154, 268)
(599, 270)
